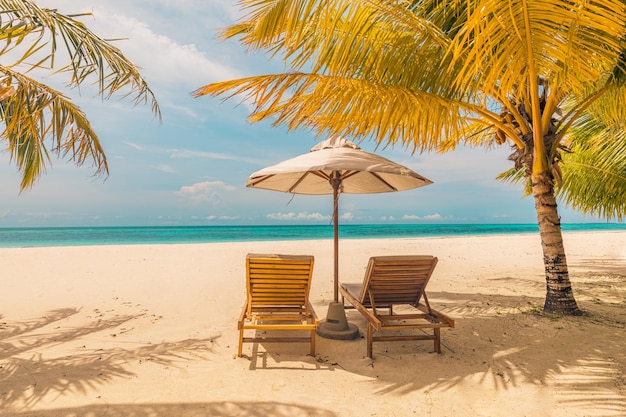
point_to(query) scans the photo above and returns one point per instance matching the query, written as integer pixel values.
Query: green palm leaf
(595, 170)
(35, 115)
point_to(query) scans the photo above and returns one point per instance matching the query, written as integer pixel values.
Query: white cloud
(298, 216)
(134, 146)
(204, 192)
(142, 34)
(186, 153)
(435, 216)
(163, 60)
(164, 168)
(229, 217)
(346, 216)
(411, 217)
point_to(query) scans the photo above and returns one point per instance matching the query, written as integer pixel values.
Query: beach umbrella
(336, 166)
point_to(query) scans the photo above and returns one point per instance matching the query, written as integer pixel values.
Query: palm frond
(89, 55)
(595, 180)
(595, 170)
(40, 121)
(330, 104)
(516, 176)
(572, 43)
(34, 114)
(351, 39)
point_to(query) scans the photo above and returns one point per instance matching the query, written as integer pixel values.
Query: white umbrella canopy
(336, 166)
(358, 171)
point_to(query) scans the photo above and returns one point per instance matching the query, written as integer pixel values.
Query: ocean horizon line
(17, 237)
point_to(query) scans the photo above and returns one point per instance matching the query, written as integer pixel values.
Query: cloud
(164, 168)
(186, 153)
(346, 216)
(162, 59)
(134, 146)
(204, 192)
(229, 218)
(298, 216)
(435, 216)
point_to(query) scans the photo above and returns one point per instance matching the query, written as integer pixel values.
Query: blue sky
(191, 169)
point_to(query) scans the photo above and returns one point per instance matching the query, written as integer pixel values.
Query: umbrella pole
(336, 325)
(336, 237)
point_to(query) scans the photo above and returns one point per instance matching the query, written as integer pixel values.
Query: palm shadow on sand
(26, 376)
(224, 408)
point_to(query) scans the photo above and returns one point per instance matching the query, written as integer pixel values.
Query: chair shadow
(275, 356)
(26, 376)
(213, 409)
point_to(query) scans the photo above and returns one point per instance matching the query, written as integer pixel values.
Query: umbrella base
(336, 325)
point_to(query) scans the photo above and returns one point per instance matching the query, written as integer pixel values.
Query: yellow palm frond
(39, 120)
(484, 55)
(330, 104)
(571, 43)
(89, 55)
(36, 116)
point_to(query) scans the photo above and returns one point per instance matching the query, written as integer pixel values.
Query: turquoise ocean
(87, 236)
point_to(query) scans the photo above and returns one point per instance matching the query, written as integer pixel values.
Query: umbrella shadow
(26, 376)
(499, 343)
(217, 409)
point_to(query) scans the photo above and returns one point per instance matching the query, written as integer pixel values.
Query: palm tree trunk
(559, 295)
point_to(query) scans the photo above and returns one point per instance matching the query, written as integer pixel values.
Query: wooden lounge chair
(278, 298)
(392, 281)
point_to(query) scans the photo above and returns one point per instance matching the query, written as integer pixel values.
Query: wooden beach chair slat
(391, 281)
(278, 288)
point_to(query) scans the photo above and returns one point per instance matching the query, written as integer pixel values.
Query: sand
(150, 331)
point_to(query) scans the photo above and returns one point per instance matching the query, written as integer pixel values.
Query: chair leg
(370, 340)
(239, 352)
(437, 333)
(313, 342)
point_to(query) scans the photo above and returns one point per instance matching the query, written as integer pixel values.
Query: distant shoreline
(129, 235)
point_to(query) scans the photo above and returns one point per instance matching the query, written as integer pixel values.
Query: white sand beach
(150, 331)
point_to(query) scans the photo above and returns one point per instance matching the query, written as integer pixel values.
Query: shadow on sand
(240, 409)
(504, 341)
(499, 340)
(26, 376)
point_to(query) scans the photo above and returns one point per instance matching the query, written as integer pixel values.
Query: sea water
(79, 236)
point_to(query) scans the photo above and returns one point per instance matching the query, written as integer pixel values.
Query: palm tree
(433, 74)
(39, 120)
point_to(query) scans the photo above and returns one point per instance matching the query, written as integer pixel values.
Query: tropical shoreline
(83, 236)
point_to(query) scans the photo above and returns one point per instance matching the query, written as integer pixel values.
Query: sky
(191, 168)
